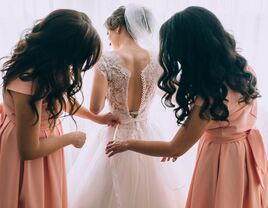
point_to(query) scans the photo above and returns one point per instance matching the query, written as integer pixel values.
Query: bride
(127, 77)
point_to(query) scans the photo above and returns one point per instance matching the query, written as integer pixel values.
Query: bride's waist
(131, 120)
(132, 117)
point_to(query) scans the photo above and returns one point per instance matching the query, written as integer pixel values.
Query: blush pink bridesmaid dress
(39, 183)
(231, 168)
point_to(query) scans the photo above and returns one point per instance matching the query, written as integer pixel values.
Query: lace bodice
(118, 79)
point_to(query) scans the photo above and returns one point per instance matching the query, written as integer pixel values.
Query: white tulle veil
(142, 26)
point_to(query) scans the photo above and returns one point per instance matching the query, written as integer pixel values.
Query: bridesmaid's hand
(109, 119)
(166, 159)
(114, 147)
(78, 139)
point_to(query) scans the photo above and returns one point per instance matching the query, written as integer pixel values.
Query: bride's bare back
(127, 78)
(135, 61)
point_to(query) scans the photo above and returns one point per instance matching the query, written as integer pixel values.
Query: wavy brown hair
(53, 55)
(199, 58)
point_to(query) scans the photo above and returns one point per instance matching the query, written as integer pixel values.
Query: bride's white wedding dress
(127, 180)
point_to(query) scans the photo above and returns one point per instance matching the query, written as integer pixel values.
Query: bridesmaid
(40, 80)
(1, 111)
(215, 91)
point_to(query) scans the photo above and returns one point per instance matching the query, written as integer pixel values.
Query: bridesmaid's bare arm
(82, 112)
(184, 139)
(30, 145)
(97, 102)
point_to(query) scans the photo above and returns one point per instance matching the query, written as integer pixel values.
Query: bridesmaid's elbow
(26, 155)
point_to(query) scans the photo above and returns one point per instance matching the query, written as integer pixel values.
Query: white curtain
(246, 19)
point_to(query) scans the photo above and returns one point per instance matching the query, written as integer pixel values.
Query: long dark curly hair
(199, 58)
(53, 55)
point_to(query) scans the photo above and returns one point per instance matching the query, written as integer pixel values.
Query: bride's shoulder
(107, 55)
(155, 63)
(154, 58)
(108, 58)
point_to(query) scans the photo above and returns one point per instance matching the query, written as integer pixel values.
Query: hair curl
(199, 58)
(53, 55)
